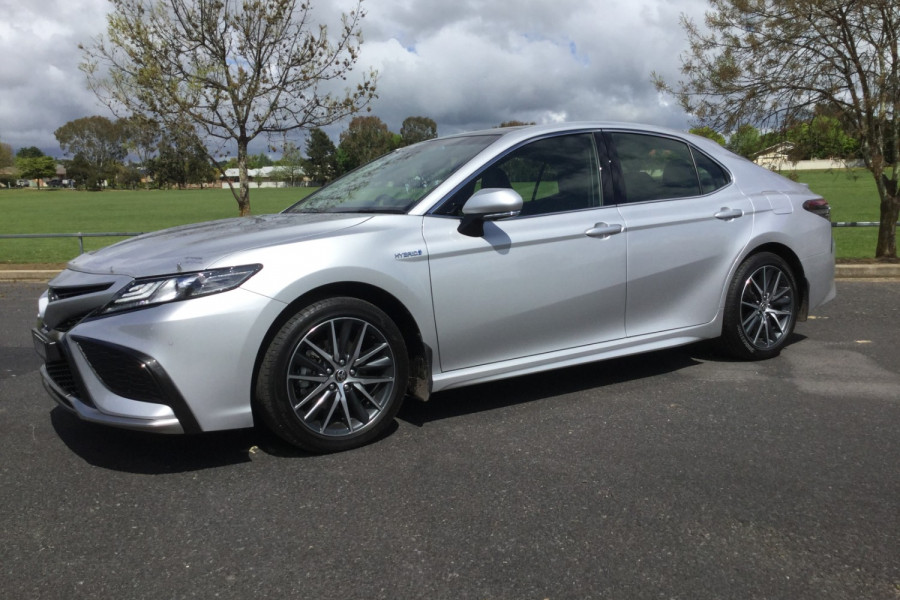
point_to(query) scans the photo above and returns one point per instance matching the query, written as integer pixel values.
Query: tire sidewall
(271, 389)
(734, 337)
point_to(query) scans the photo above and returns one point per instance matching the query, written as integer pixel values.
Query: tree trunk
(243, 197)
(886, 247)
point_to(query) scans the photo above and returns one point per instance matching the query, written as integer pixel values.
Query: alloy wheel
(767, 306)
(341, 377)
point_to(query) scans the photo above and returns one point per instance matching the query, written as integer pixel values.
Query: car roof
(529, 131)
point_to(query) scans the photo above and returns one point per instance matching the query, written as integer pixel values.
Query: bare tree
(772, 62)
(232, 69)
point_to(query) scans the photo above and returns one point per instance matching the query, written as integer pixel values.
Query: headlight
(151, 291)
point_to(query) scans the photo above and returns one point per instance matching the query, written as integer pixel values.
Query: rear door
(686, 225)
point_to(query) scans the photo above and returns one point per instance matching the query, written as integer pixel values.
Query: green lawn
(70, 211)
(852, 196)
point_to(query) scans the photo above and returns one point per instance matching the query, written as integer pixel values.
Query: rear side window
(656, 168)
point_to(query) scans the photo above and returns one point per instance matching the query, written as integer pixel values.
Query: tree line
(820, 136)
(136, 152)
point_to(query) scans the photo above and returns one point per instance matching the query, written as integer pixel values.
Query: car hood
(200, 246)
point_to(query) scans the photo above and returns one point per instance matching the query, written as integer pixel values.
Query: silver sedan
(455, 261)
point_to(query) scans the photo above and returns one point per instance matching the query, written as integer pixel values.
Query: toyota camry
(455, 261)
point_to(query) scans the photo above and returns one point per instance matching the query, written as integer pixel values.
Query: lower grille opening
(132, 374)
(63, 376)
(124, 373)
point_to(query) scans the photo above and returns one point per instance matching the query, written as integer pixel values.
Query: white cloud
(466, 64)
(42, 86)
(476, 63)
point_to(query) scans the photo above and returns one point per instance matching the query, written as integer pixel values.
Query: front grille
(124, 373)
(63, 292)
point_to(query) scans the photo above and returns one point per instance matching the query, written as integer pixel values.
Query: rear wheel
(334, 376)
(760, 307)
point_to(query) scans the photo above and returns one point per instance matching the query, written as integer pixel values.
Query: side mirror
(488, 204)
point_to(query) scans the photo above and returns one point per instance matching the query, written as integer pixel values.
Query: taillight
(819, 207)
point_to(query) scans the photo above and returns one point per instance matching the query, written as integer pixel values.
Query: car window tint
(712, 175)
(552, 175)
(655, 168)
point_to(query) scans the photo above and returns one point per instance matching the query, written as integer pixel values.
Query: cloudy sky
(467, 64)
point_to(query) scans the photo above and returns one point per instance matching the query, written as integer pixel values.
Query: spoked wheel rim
(341, 377)
(767, 306)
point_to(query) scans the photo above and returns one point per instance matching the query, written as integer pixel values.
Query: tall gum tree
(232, 70)
(771, 62)
(100, 144)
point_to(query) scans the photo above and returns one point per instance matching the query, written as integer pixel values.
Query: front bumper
(182, 367)
(111, 385)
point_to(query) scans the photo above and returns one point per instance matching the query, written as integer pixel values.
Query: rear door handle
(727, 214)
(603, 230)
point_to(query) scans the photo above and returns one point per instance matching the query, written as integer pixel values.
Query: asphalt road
(677, 474)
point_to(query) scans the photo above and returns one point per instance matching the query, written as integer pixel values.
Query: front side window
(655, 168)
(556, 174)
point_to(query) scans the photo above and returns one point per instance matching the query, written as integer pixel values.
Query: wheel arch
(791, 258)
(419, 354)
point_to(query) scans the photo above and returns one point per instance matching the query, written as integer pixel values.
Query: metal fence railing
(80, 236)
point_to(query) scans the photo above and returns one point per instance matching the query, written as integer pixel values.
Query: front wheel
(334, 376)
(761, 307)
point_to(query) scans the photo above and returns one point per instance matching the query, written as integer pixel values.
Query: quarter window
(712, 175)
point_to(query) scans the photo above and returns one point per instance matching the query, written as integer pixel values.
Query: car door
(686, 227)
(549, 279)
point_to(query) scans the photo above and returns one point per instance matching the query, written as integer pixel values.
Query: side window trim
(616, 178)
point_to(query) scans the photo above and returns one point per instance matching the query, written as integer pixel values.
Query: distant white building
(264, 177)
(776, 158)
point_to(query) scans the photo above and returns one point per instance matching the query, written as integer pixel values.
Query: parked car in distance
(455, 261)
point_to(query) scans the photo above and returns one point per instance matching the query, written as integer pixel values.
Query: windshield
(395, 182)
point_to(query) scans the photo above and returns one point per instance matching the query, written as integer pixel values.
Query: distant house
(58, 180)
(776, 158)
(7, 176)
(264, 177)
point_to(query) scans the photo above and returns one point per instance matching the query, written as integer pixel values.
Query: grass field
(852, 196)
(70, 211)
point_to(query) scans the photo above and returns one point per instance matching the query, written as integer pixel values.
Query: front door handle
(603, 230)
(727, 214)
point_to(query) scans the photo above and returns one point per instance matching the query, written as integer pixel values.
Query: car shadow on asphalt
(151, 453)
(156, 454)
(540, 386)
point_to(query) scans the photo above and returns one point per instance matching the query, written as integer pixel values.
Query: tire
(334, 376)
(761, 308)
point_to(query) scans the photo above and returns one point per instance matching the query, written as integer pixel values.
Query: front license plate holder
(46, 348)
